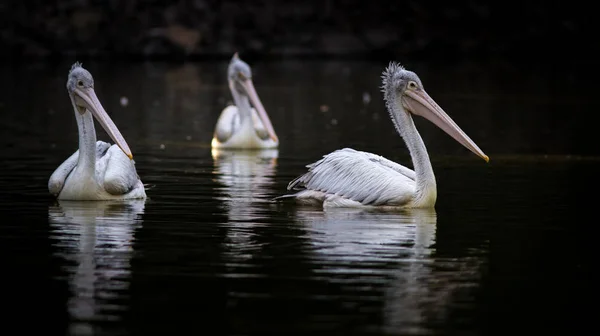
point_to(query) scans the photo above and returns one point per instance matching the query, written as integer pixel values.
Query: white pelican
(350, 178)
(97, 171)
(239, 126)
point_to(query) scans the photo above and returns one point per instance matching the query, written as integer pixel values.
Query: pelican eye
(80, 83)
(412, 85)
(242, 76)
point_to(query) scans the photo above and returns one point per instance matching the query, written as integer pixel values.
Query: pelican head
(80, 85)
(239, 75)
(404, 92)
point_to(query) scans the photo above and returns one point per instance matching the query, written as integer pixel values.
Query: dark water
(508, 248)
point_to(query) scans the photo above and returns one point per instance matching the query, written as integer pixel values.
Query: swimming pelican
(350, 178)
(97, 171)
(239, 126)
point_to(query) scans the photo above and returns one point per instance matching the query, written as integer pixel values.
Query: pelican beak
(87, 98)
(262, 114)
(420, 103)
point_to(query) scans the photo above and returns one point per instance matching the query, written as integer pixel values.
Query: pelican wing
(58, 178)
(227, 124)
(117, 171)
(390, 164)
(358, 176)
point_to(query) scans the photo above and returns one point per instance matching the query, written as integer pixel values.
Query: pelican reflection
(361, 235)
(395, 253)
(247, 177)
(96, 238)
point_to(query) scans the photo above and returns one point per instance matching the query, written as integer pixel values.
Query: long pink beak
(420, 103)
(262, 114)
(89, 100)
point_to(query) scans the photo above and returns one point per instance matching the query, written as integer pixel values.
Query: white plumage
(347, 176)
(234, 133)
(97, 170)
(351, 178)
(242, 126)
(114, 178)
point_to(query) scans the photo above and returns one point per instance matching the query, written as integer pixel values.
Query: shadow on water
(507, 248)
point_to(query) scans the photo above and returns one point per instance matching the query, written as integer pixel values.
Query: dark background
(528, 31)
(554, 44)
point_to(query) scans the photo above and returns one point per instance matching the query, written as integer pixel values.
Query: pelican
(239, 126)
(351, 178)
(97, 170)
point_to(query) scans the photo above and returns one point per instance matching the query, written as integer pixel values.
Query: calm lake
(508, 248)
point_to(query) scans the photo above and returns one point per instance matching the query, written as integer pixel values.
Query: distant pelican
(350, 178)
(97, 171)
(240, 126)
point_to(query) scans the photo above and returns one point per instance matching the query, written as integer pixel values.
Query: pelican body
(351, 178)
(241, 126)
(97, 170)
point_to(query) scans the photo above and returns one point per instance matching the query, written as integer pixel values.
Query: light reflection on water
(95, 239)
(397, 251)
(247, 177)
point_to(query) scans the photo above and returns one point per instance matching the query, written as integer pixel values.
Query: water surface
(507, 248)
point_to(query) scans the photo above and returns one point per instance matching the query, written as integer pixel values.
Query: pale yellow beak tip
(130, 156)
(486, 158)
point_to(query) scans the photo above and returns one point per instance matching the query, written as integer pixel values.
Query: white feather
(231, 133)
(114, 178)
(350, 178)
